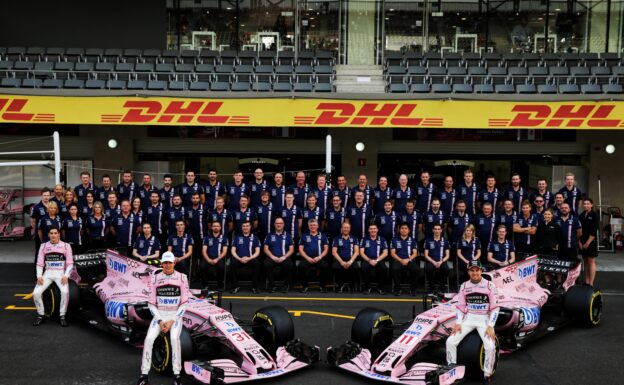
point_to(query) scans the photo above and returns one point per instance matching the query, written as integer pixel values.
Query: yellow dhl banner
(310, 112)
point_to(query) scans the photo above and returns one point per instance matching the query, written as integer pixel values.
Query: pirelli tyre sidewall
(52, 300)
(162, 360)
(471, 354)
(272, 327)
(583, 304)
(372, 329)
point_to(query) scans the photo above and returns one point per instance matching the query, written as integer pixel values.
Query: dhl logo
(11, 110)
(565, 116)
(370, 114)
(173, 112)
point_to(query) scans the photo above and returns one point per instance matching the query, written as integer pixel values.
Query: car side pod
(293, 356)
(352, 357)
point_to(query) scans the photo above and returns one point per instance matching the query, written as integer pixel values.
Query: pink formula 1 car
(110, 292)
(527, 311)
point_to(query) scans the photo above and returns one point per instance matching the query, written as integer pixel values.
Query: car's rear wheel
(471, 354)
(162, 352)
(584, 305)
(52, 300)
(372, 329)
(272, 327)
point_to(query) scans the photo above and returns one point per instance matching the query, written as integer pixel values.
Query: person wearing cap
(169, 294)
(476, 308)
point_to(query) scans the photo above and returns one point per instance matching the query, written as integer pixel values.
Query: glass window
(404, 25)
(319, 23)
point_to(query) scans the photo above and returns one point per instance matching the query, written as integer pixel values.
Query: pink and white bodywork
(125, 289)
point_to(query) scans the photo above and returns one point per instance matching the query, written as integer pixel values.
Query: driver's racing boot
(177, 380)
(143, 380)
(39, 320)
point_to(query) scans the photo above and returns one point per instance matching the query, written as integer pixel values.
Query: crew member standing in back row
(587, 242)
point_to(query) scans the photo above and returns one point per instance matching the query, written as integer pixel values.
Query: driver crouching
(476, 308)
(169, 293)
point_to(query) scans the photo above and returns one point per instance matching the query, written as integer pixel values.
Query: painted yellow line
(298, 313)
(24, 296)
(13, 307)
(259, 298)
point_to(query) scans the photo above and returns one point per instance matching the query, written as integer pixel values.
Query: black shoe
(143, 380)
(63, 322)
(487, 380)
(177, 380)
(304, 290)
(285, 289)
(254, 290)
(323, 289)
(236, 290)
(39, 320)
(274, 289)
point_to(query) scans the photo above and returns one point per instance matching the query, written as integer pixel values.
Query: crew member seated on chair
(245, 252)
(345, 251)
(404, 250)
(437, 252)
(278, 249)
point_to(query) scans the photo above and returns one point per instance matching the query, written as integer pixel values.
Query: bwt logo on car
(527, 271)
(168, 301)
(530, 316)
(271, 373)
(117, 266)
(196, 369)
(115, 309)
(232, 330)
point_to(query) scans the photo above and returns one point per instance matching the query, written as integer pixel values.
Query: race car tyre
(273, 327)
(372, 329)
(583, 304)
(161, 352)
(52, 300)
(471, 354)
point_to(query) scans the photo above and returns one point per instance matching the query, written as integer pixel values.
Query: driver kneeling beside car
(169, 294)
(476, 309)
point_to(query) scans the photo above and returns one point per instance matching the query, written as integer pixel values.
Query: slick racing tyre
(373, 330)
(52, 300)
(583, 304)
(471, 354)
(272, 327)
(162, 360)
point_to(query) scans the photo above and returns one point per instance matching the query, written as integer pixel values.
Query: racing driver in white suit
(476, 308)
(169, 294)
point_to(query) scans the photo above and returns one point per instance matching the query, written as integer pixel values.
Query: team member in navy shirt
(180, 243)
(437, 252)
(190, 187)
(571, 193)
(458, 222)
(127, 189)
(146, 189)
(559, 201)
(72, 229)
(245, 252)
(508, 217)
(516, 193)
(448, 196)
(334, 218)
(345, 250)
(146, 247)
(292, 217)
(167, 192)
(213, 189)
(278, 191)
(489, 194)
(433, 216)
(81, 189)
(313, 249)
(257, 187)
(524, 229)
(342, 191)
(402, 193)
(412, 218)
(214, 249)
(312, 211)
(154, 214)
(137, 209)
(323, 192)
(243, 214)
(300, 189)
(37, 212)
(486, 223)
(373, 251)
(425, 192)
(222, 215)
(101, 194)
(364, 188)
(501, 251)
(196, 218)
(87, 208)
(125, 227)
(404, 250)
(58, 195)
(278, 249)
(587, 242)
(112, 210)
(235, 190)
(265, 213)
(468, 192)
(387, 221)
(51, 220)
(359, 216)
(381, 194)
(174, 213)
(539, 208)
(468, 249)
(543, 192)
(571, 231)
(97, 227)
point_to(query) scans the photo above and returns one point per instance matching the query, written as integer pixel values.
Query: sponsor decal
(507, 280)
(168, 291)
(271, 373)
(529, 316)
(527, 271)
(423, 320)
(376, 375)
(223, 317)
(117, 266)
(116, 310)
